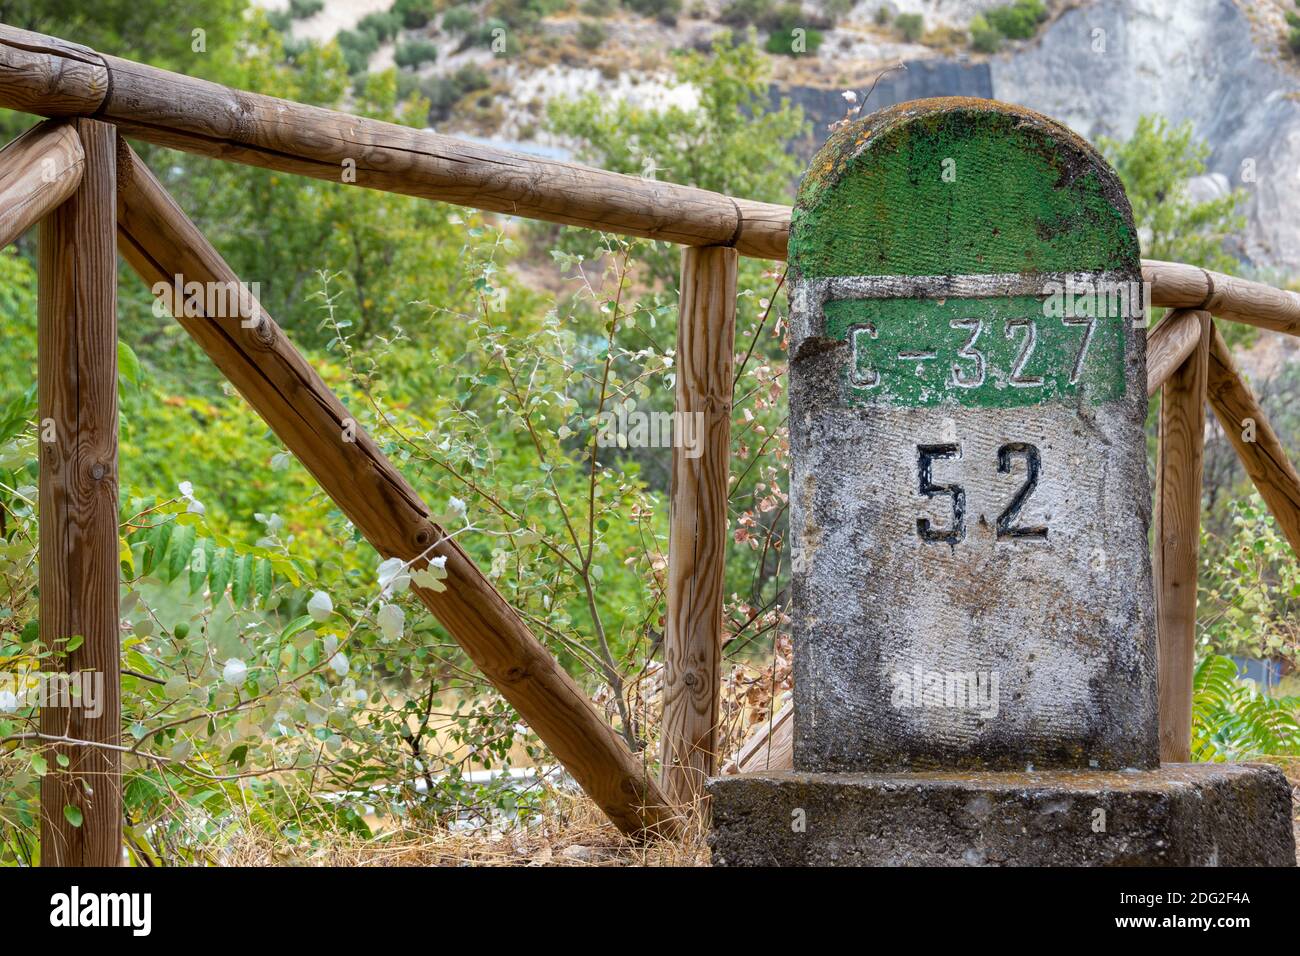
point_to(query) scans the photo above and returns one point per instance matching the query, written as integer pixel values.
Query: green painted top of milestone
(957, 186)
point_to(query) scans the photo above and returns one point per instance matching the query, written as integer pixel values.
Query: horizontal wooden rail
(160, 242)
(52, 77)
(38, 171)
(1257, 444)
(1179, 286)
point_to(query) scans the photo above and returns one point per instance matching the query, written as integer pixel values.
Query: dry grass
(573, 833)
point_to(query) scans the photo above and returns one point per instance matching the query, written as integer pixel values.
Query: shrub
(590, 34)
(1019, 20)
(882, 16)
(1293, 37)
(664, 11)
(910, 25)
(357, 46)
(383, 25)
(785, 41)
(416, 53)
(983, 37)
(304, 9)
(837, 10)
(792, 34)
(488, 33)
(459, 20)
(598, 8)
(414, 13)
(743, 13)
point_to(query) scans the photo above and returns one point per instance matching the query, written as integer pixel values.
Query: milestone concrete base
(1179, 815)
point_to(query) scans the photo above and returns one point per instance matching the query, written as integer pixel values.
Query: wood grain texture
(1264, 459)
(201, 117)
(49, 77)
(1225, 297)
(1169, 344)
(1177, 541)
(79, 572)
(160, 242)
(697, 534)
(38, 170)
(770, 748)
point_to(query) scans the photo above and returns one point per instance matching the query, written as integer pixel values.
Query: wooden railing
(88, 189)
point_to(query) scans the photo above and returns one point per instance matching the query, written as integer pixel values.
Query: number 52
(1007, 526)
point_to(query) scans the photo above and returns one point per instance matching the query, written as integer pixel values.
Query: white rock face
(1099, 68)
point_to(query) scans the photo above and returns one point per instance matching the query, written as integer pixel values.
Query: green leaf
(201, 563)
(157, 545)
(243, 578)
(72, 815)
(296, 627)
(128, 365)
(219, 573)
(74, 642)
(262, 578)
(178, 551)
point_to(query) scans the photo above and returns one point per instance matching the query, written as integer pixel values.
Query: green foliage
(983, 37)
(415, 13)
(591, 35)
(444, 92)
(1154, 165)
(1232, 721)
(745, 13)
(1293, 31)
(1250, 588)
(415, 54)
(714, 147)
(459, 19)
(910, 26)
(384, 25)
(791, 35)
(357, 46)
(305, 9)
(663, 10)
(1019, 20)
(497, 35)
(882, 15)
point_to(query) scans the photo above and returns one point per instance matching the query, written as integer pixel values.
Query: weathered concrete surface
(962, 379)
(1179, 815)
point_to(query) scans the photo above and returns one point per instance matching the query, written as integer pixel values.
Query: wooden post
(79, 574)
(160, 243)
(1248, 428)
(38, 170)
(697, 535)
(1178, 530)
